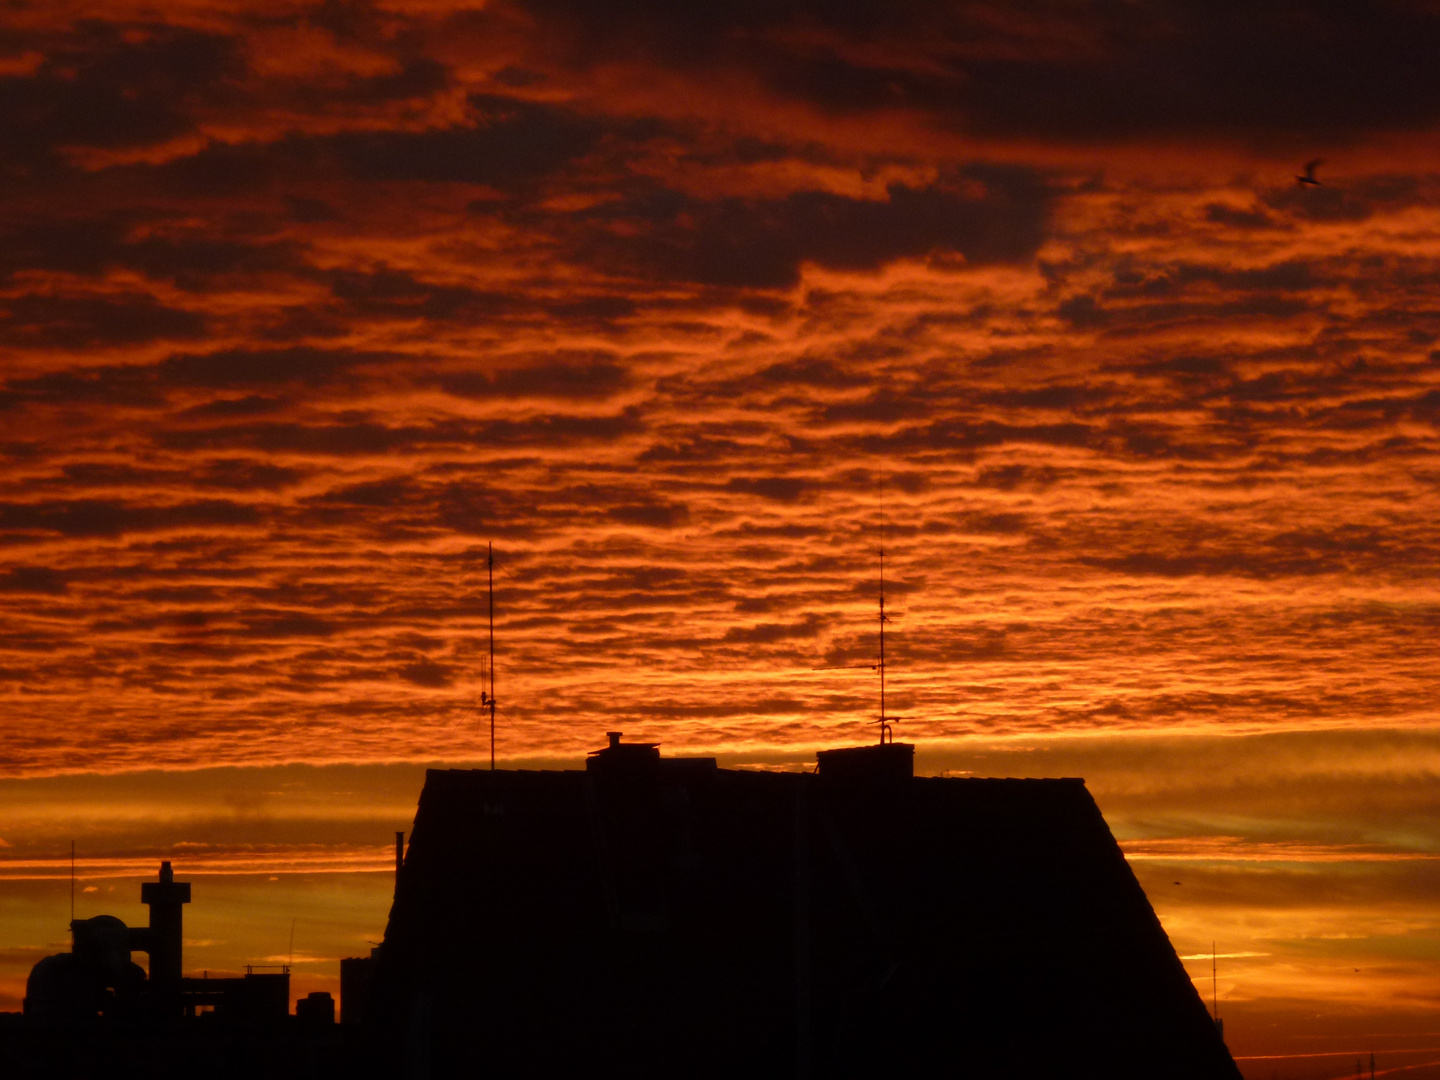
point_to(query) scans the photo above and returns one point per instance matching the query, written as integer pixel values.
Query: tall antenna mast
(885, 731)
(490, 567)
(72, 886)
(1214, 992)
(882, 644)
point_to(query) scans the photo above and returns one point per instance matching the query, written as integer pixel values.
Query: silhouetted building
(356, 975)
(93, 1012)
(97, 979)
(315, 1009)
(654, 916)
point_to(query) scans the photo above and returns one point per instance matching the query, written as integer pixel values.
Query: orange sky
(689, 309)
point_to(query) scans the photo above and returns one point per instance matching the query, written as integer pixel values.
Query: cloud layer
(690, 309)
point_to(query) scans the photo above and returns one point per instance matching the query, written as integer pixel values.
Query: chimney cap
(623, 755)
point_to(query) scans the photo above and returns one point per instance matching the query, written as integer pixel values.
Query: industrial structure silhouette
(97, 978)
(93, 1011)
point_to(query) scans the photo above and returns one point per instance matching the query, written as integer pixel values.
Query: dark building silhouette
(94, 1012)
(356, 975)
(654, 916)
(97, 979)
(315, 1009)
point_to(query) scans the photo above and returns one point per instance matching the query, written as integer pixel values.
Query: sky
(690, 311)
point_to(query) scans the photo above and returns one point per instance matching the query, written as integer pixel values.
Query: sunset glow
(690, 310)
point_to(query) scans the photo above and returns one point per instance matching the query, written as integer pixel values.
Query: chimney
(614, 737)
(165, 898)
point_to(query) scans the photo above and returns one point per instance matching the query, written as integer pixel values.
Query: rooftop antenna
(292, 941)
(72, 892)
(885, 733)
(489, 699)
(1215, 995)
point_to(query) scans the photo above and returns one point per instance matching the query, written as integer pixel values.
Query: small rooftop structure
(653, 916)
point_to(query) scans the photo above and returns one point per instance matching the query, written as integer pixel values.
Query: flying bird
(1308, 177)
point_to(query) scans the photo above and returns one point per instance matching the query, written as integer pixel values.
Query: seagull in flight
(1308, 177)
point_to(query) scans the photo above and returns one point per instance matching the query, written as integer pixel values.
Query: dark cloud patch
(565, 375)
(1293, 553)
(42, 580)
(307, 210)
(653, 515)
(232, 369)
(782, 489)
(987, 213)
(1352, 198)
(515, 142)
(1002, 524)
(363, 437)
(913, 482)
(114, 385)
(769, 633)
(103, 517)
(1059, 396)
(416, 77)
(290, 624)
(511, 145)
(227, 408)
(200, 262)
(561, 428)
(243, 474)
(1187, 367)
(1291, 71)
(1159, 564)
(1239, 217)
(150, 385)
(812, 371)
(107, 474)
(343, 439)
(1083, 312)
(427, 673)
(375, 493)
(111, 85)
(390, 293)
(1292, 275)
(881, 407)
(517, 78)
(38, 321)
(966, 436)
(1017, 477)
(694, 450)
(188, 258)
(387, 293)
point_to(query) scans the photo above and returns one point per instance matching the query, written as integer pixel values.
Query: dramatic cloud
(690, 310)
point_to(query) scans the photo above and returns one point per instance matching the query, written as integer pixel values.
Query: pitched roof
(668, 917)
